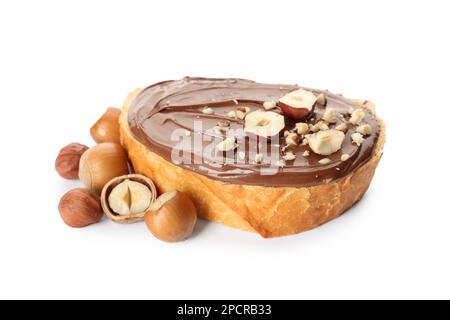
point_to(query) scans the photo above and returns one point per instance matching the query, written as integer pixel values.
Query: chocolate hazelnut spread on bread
(203, 111)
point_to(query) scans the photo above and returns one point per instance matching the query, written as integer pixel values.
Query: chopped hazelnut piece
(319, 126)
(231, 114)
(208, 110)
(244, 109)
(281, 163)
(357, 116)
(368, 105)
(223, 124)
(286, 133)
(227, 144)
(341, 127)
(242, 112)
(345, 157)
(265, 124)
(258, 158)
(321, 99)
(306, 153)
(326, 142)
(330, 115)
(325, 161)
(357, 138)
(292, 139)
(241, 115)
(302, 128)
(289, 156)
(364, 129)
(269, 105)
(220, 130)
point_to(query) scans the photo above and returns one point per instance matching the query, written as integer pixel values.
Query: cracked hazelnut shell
(109, 187)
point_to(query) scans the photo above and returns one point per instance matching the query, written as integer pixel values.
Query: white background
(63, 62)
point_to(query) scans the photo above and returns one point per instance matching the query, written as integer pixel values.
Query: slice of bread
(269, 211)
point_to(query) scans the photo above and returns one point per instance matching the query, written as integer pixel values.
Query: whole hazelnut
(68, 160)
(107, 129)
(80, 208)
(172, 217)
(102, 163)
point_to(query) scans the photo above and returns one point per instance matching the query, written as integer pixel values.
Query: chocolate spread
(177, 106)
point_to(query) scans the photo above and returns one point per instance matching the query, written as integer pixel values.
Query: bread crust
(269, 211)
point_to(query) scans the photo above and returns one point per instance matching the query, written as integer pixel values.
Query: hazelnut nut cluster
(324, 137)
(109, 187)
